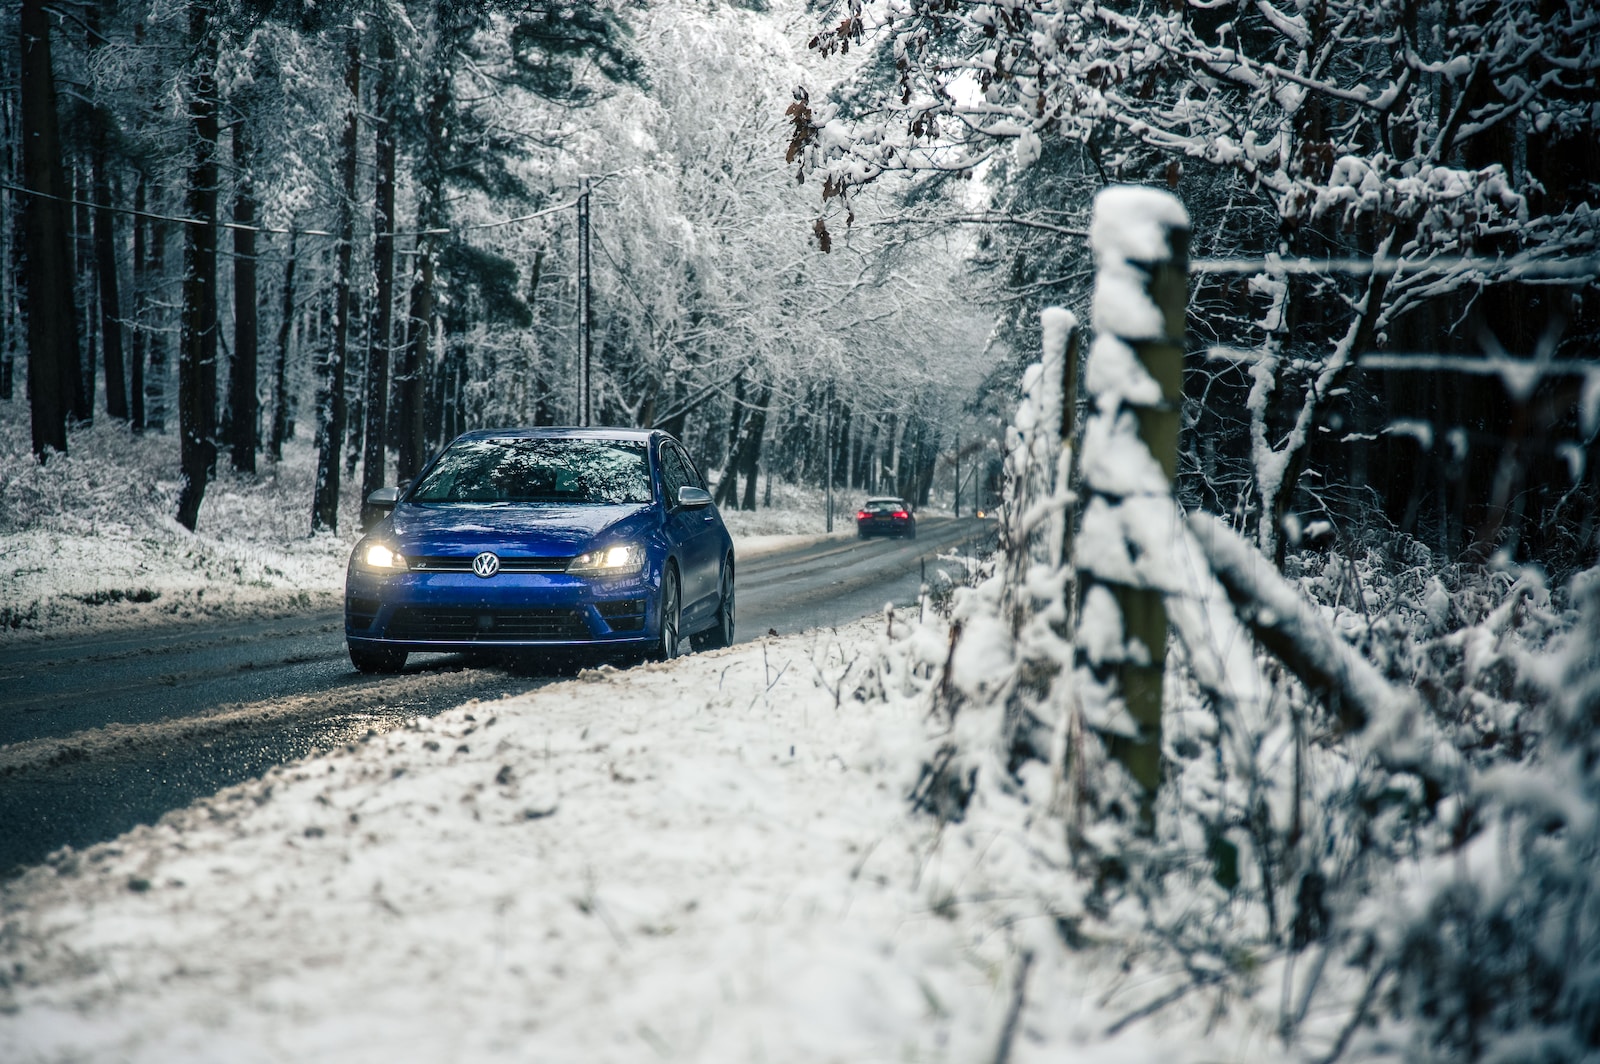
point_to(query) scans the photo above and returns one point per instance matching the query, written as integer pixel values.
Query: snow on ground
(708, 859)
(88, 540)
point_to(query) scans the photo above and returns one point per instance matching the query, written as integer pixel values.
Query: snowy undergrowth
(708, 859)
(1376, 828)
(88, 540)
(1300, 892)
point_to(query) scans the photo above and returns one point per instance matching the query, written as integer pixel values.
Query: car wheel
(668, 646)
(911, 533)
(382, 659)
(861, 533)
(720, 634)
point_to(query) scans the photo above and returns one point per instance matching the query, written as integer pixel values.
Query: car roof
(886, 498)
(564, 432)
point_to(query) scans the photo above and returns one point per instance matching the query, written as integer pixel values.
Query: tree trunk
(141, 307)
(197, 357)
(105, 253)
(10, 247)
(155, 413)
(355, 378)
(728, 483)
(50, 300)
(750, 459)
(430, 185)
(409, 429)
(245, 410)
(83, 386)
(331, 416)
(383, 219)
(280, 372)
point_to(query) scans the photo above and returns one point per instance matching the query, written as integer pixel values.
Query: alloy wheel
(671, 614)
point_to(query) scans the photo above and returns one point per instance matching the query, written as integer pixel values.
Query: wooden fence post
(1134, 379)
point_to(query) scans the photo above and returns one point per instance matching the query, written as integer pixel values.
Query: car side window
(694, 471)
(673, 474)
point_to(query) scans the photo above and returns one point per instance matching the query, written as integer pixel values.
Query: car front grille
(486, 625)
(453, 563)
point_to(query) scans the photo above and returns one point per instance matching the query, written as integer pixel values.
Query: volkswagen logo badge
(486, 564)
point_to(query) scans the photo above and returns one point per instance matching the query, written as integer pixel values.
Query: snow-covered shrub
(1376, 831)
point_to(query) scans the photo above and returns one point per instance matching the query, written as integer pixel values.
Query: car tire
(669, 644)
(861, 533)
(376, 660)
(720, 634)
(911, 533)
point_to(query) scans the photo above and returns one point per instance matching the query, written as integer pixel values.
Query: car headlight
(381, 556)
(620, 560)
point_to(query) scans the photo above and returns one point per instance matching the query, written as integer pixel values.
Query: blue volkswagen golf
(558, 539)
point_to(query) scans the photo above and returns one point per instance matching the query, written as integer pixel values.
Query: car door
(694, 534)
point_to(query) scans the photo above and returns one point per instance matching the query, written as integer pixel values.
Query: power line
(237, 227)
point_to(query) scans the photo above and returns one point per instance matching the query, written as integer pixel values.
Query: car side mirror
(693, 498)
(378, 504)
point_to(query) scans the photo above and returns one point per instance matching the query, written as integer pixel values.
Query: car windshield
(572, 471)
(884, 505)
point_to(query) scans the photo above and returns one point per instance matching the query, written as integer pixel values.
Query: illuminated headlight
(609, 561)
(379, 556)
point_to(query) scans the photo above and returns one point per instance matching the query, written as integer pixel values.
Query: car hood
(535, 530)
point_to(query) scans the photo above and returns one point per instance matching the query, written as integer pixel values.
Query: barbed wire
(1433, 362)
(1522, 267)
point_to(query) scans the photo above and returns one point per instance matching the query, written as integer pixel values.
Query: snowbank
(708, 859)
(88, 540)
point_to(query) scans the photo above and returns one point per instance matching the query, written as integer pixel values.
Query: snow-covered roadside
(709, 859)
(88, 540)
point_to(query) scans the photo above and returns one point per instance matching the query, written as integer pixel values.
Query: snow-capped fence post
(1039, 467)
(1134, 381)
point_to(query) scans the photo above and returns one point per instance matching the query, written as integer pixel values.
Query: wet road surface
(102, 733)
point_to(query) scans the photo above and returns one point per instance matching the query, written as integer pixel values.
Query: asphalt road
(103, 733)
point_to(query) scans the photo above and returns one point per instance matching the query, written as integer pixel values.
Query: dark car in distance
(543, 539)
(886, 516)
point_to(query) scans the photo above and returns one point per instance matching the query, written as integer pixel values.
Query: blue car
(558, 539)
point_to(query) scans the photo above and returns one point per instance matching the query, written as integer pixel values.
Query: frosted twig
(1019, 987)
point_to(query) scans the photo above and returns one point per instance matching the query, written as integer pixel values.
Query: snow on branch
(1389, 719)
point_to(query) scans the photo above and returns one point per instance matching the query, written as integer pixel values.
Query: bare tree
(50, 300)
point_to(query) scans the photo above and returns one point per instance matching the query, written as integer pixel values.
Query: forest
(1274, 325)
(359, 224)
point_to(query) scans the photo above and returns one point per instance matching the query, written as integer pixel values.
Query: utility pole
(827, 433)
(958, 475)
(584, 332)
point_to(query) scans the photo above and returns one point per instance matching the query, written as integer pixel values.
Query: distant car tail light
(862, 515)
(901, 514)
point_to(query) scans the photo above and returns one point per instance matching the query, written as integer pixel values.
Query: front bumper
(453, 611)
